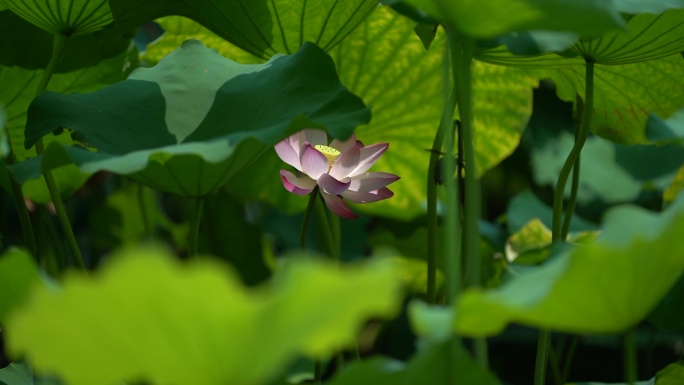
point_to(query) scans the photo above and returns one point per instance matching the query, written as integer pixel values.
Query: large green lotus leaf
(487, 19)
(668, 314)
(433, 365)
(18, 274)
(260, 27)
(386, 64)
(189, 124)
(204, 326)
(17, 90)
(178, 29)
(624, 95)
(604, 287)
(648, 37)
(68, 17)
(33, 49)
(651, 6)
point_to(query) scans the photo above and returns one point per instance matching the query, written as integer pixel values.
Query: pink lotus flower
(338, 169)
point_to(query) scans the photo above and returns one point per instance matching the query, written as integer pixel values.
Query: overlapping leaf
(17, 90)
(260, 27)
(203, 325)
(487, 19)
(68, 17)
(386, 64)
(189, 124)
(605, 287)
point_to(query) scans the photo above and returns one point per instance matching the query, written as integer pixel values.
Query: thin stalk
(574, 188)
(462, 73)
(336, 235)
(193, 244)
(574, 153)
(324, 228)
(630, 357)
(569, 356)
(307, 216)
(143, 211)
(58, 49)
(433, 222)
(24, 217)
(555, 365)
(556, 235)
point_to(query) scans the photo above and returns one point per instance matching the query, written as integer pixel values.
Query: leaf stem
(326, 230)
(574, 152)
(630, 357)
(197, 210)
(307, 215)
(58, 49)
(572, 202)
(433, 220)
(22, 210)
(557, 230)
(462, 72)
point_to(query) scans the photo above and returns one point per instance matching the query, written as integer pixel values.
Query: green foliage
(194, 125)
(260, 27)
(495, 17)
(574, 293)
(68, 17)
(209, 328)
(4, 143)
(18, 275)
(671, 375)
(20, 374)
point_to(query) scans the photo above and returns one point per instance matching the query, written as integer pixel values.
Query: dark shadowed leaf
(189, 124)
(68, 17)
(260, 27)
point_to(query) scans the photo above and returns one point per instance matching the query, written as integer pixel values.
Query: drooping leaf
(487, 19)
(68, 17)
(17, 90)
(648, 37)
(18, 275)
(260, 27)
(205, 326)
(663, 131)
(34, 47)
(189, 124)
(604, 287)
(534, 237)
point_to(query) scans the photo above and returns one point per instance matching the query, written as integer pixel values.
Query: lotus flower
(338, 169)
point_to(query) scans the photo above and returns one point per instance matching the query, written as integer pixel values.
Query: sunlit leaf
(487, 19)
(532, 237)
(260, 27)
(18, 275)
(205, 327)
(604, 287)
(17, 90)
(68, 17)
(178, 29)
(189, 124)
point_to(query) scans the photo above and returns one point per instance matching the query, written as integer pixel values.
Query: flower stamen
(329, 152)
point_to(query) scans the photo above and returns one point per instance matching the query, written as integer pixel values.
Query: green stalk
(574, 153)
(572, 202)
(557, 230)
(336, 235)
(326, 232)
(24, 217)
(462, 73)
(58, 49)
(307, 216)
(569, 356)
(143, 211)
(433, 222)
(193, 244)
(630, 357)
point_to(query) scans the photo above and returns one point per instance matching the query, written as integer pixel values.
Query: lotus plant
(337, 170)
